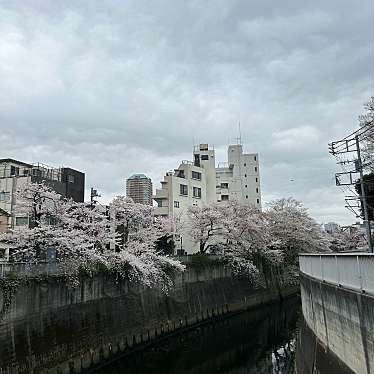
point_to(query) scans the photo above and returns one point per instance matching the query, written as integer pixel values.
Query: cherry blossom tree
(205, 225)
(346, 240)
(85, 236)
(292, 230)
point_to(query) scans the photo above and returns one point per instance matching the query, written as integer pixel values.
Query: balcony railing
(353, 271)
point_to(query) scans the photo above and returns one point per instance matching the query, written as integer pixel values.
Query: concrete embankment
(337, 334)
(51, 328)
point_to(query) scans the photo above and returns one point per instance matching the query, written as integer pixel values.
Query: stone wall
(342, 322)
(51, 328)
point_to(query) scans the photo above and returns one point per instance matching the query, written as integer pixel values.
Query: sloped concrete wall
(343, 324)
(53, 329)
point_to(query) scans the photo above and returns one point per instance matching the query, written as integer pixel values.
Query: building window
(204, 157)
(14, 170)
(176, 204)
(256, 169)
(246, 196)
(196, 175)
(225, 197)
(183, 189)
(4, 196)
(255, 158)
(224, 185)
(197, 160)
(258, 201)
(22, 221)
(71, 178)
(257, 189)
(245, 175)
(197, 192)
(246, 186)
(245, 164)
(180, 174)
(256, 179)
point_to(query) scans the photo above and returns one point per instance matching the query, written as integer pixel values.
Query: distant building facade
(14, 174)
(199, 183)
(139, 189)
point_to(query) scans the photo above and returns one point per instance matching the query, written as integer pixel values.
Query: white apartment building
(239, 178)
(199, 182)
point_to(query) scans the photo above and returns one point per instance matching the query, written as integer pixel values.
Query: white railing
(353, 271)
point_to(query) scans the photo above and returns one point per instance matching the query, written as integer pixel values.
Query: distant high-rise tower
(139, 188)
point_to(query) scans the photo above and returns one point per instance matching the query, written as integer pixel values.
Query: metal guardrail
(353, 271)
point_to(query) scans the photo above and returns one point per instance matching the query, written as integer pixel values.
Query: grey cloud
(119, 87)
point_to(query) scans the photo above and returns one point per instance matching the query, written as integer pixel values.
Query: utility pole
(348, 145)
(363, 195)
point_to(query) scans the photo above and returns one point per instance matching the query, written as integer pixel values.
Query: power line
(347, 146)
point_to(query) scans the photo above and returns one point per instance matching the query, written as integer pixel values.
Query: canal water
(260, 341)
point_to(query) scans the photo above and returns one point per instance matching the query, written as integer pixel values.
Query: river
(260, 341)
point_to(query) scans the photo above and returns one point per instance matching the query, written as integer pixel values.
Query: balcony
(161, 194)
(161, 210)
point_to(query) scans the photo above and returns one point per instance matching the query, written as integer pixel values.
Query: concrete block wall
(51, 328)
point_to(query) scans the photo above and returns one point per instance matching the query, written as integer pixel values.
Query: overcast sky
(117, 87)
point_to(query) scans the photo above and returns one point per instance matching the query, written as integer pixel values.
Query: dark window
(224, 185)
(25, 171)
(14, 170)
(246, 186)
(205, 157)
(257, 189)
(225, 197)
(246, 196)
(197, 160)
(245, 164)
(255, 158)
(256, 169)
(176, 204)
(258, 201)
(196, 175)
(183, 189)
(22, 221)
(197, 192)
(256, 179)
(245, 175)
(180, 174)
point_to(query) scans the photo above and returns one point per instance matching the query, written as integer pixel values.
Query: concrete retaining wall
(53, 329)
(343, 322)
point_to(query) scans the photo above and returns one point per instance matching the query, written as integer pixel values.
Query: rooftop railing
(354, 271)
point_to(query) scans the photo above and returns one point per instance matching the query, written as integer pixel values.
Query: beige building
(199, 182)
(139, 188)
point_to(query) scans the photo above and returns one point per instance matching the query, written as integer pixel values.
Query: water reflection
(258, 342)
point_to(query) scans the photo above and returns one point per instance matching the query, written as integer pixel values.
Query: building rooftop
(138, 176)
(7, 160)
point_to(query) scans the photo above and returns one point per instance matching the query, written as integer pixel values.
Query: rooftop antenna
(239, 138)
